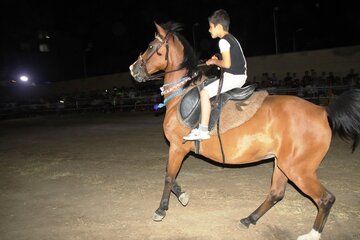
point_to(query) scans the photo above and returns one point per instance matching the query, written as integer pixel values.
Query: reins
(159, 75)
(221, 80)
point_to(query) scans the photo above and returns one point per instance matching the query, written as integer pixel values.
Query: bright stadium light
(24, 78)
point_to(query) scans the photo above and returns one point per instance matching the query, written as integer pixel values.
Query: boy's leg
(205, 107)
(202, 132)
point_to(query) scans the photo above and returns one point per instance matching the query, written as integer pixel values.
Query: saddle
(190, 108)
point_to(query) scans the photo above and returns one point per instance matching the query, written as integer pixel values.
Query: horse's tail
(344, 116)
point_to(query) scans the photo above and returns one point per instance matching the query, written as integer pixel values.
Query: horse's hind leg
(277, 191)
(323, 199)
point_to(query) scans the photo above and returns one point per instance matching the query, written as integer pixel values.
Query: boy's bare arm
(225, 62)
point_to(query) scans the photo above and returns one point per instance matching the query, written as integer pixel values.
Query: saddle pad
(235, 113)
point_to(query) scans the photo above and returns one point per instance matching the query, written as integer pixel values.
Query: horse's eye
(151, 46)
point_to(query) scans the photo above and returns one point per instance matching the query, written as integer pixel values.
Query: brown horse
(294, 132)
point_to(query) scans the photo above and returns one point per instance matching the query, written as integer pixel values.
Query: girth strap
(197, 142)
(219, 137)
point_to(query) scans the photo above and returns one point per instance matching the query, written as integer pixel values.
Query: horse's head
(168, 51)
(154, 59)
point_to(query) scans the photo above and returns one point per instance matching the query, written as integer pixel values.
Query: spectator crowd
(319, 88)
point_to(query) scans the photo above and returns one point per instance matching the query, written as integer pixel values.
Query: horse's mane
(190, 58)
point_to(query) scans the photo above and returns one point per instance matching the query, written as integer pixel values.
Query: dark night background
(62, 40)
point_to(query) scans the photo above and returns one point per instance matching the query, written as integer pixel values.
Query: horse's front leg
(183, 197)
(176, 157)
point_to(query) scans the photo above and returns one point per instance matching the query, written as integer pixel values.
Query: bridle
(154, 50)
(172, 86)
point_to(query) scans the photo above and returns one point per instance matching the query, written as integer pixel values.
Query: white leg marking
(312, 235)
(184, 198)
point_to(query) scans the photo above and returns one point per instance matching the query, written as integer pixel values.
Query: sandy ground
(100, 176)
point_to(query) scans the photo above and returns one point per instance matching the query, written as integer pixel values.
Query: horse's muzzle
(136, 74)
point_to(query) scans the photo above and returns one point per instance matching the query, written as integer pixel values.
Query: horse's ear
(160, 30)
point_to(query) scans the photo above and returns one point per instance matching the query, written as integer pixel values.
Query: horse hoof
(158, 217)
(184, 198)
(245, 223)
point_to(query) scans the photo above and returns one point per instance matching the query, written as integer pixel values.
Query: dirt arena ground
(100, 176)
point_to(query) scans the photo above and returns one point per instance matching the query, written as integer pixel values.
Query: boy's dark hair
(220, 17)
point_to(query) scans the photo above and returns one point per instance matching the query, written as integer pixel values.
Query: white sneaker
(196, 134)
